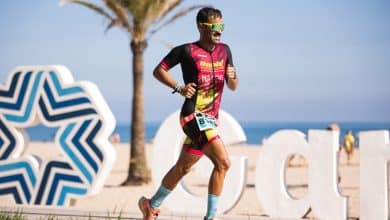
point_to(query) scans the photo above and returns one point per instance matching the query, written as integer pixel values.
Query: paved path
(71, 213)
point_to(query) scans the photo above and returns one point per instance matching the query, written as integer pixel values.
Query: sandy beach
(124, 198)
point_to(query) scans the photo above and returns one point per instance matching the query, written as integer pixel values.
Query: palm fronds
(137, 17)
(89, 5)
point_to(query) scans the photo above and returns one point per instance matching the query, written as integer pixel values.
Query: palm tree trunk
(139, 172)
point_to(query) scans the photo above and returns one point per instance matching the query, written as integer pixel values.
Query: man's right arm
(163, 76)
(169, 61)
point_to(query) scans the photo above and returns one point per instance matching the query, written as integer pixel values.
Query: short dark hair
(207, 12)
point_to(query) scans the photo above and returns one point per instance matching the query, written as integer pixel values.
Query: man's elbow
(156, 72)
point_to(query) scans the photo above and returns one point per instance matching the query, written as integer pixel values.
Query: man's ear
(200, 28)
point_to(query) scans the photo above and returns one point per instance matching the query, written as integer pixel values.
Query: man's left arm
(231, 77)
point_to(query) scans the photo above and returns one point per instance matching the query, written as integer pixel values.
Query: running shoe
(147, 211)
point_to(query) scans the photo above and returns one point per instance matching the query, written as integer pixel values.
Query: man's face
(212, 30)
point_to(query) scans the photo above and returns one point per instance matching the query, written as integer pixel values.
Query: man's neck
(206, 45)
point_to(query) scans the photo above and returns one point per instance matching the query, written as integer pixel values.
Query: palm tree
(139, 19)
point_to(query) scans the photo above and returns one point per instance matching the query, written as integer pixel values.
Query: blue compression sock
(159, 196)
(212, 203)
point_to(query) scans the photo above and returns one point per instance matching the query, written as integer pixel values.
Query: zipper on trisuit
(214, 87)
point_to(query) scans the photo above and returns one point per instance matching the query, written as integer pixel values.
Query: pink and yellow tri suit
(207, 70)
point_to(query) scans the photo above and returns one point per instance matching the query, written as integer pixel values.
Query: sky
(297, 61)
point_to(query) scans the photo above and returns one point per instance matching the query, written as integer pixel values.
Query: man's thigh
(216, 151)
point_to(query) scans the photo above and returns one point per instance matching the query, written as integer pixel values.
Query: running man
(206, 65)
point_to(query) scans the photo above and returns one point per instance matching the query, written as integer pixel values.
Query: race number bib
(205, 121)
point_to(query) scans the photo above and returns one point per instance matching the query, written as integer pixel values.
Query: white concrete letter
(270, 174)
(323, 195)
(166, 148)
(374, 155)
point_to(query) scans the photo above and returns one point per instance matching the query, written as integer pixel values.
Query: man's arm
(163, 76)
(232, 80)
(231, 76)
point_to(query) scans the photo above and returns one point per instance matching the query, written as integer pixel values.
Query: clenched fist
(188, 90)
(231, 72)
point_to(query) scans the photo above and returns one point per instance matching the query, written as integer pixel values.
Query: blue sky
(297, 60)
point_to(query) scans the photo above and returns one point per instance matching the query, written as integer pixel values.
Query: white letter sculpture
(323, 195)
(166, 148)
(374, 155)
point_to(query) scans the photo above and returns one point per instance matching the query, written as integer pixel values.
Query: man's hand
(230, 72)
(232, 80)
(188, 90)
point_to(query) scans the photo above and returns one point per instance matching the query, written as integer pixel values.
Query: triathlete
(206, 65)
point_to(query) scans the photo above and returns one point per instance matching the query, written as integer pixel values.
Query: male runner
(206, 65)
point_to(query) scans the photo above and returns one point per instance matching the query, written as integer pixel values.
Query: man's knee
(223, 164)
(182, 168)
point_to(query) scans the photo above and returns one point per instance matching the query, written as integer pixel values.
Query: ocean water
(255, 131)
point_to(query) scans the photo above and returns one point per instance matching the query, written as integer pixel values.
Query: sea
(255, 131)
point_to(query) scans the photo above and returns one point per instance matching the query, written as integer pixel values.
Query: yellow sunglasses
(214, 26)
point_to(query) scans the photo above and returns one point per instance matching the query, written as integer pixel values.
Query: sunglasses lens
(217, 27)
